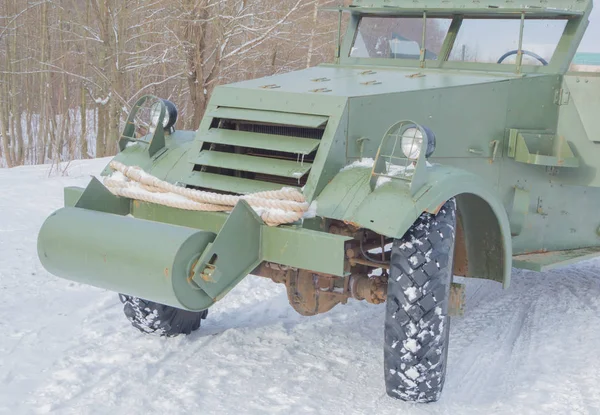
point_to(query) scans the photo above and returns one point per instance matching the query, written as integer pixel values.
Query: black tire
(163, 320)
(417, 324)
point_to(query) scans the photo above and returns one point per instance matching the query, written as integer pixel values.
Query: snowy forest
(71, 69)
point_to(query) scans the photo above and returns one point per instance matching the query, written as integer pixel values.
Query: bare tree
(71, 69)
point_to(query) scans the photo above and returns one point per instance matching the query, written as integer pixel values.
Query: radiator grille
(239, 156)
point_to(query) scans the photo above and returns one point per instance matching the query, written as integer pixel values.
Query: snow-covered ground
(67, 348)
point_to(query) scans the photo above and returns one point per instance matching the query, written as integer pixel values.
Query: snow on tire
(417, 324)
(163, 320)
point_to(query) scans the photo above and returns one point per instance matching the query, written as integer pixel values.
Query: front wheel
(163, 320)
(417, 324)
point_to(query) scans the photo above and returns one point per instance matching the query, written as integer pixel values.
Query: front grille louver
(248, 154)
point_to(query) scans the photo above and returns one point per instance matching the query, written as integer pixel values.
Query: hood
(356, 81)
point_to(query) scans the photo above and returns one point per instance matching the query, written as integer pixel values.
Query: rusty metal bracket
(457, 300)
(311, 294)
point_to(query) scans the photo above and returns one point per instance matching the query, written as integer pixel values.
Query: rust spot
(166, 272)
(436, 210)
(284, 248)
(457, 300)
(207, 273)
(136, 204)
(192, 269)
(541, 251)
(352, 224)
(461, 260)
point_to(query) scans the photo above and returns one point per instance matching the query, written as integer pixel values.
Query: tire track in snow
(518, 339)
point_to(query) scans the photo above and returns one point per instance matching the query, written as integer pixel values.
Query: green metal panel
(317, 251)
(99, 198)
(519, 212)
(390, 210)
(296, 145)
(303, 248)
(232, 255)
(274, 117)
(331, 156)
(580, 134)
(275, 167)
(72, 195)
(541, 148)
(208, 221)
(448, 111)
(163, 163)
(249, 94)
(349, 81)
(543, 261)
(584, 91)
(569, 41)
(445, 9)
(491, 7)
(229, 183)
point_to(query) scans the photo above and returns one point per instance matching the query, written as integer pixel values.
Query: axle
(313, 293)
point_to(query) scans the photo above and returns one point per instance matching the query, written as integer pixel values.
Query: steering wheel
(524, 52)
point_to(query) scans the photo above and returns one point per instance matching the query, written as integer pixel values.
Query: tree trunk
(195, 41)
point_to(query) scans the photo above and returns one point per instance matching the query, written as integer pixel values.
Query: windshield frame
(559, 63)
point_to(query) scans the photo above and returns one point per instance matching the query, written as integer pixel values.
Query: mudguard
(390, 210)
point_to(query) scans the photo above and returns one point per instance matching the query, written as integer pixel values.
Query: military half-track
(432, 147)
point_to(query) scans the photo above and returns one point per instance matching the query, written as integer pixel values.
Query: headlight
(412, 141)
(170, 114)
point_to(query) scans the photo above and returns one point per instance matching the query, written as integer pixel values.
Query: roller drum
(146, 259)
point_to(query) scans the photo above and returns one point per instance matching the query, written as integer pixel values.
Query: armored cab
(446, 138)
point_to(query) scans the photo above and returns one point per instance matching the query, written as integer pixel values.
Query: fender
(484, 231)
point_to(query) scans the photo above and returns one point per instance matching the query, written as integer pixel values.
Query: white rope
(275, 207)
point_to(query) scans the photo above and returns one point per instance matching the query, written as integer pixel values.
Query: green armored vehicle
(448, 138)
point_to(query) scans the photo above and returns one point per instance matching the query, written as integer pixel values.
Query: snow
(411, 293)
(297, 174)
(412, 373)
(103, 101)
(67, 348)
(132, 144)
(364, 163)
(411, 345)
(392, 171)
(312, 211)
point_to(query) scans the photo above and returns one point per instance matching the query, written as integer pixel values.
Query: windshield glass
(587, 58)
(497, 41)
(478, 40)
(398, 37)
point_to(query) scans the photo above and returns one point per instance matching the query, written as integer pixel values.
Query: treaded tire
(417, 324)
(163, 320)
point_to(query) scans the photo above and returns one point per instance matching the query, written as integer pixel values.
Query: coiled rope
(274, 207)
